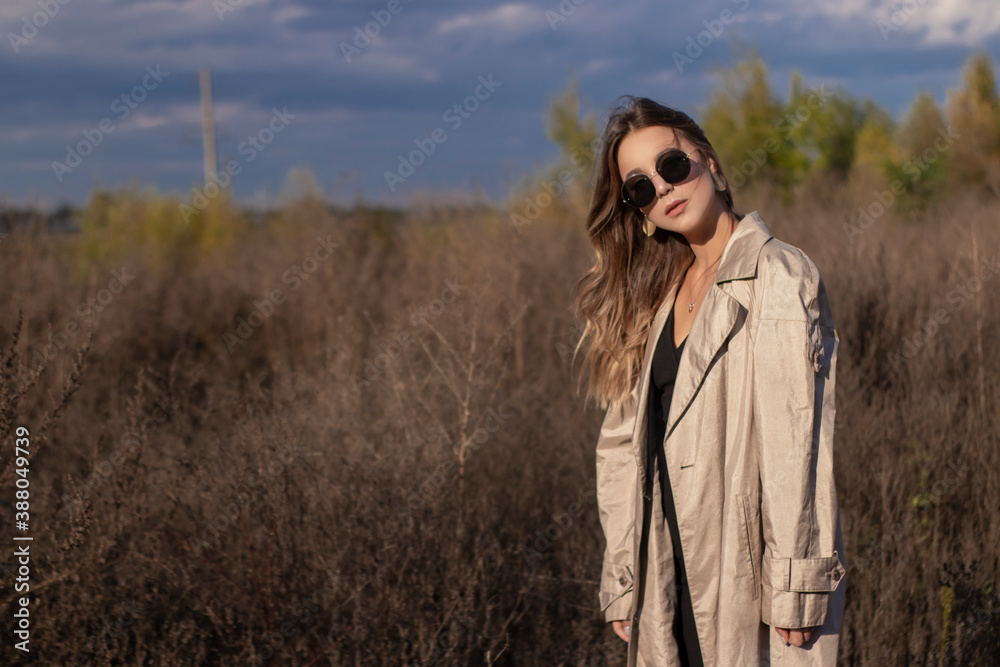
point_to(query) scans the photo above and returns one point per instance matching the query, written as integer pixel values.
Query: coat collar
(739, 257)
(717, 317)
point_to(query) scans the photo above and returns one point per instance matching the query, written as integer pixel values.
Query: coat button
(622, 580)
(836, 575)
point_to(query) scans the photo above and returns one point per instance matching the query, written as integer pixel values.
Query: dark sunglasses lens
(674, 167)
(640, 191)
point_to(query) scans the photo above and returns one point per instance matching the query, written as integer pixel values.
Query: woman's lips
(676, 209)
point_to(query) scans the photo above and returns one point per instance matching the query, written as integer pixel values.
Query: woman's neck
(708, 246)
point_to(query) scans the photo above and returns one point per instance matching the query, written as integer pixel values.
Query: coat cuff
(797, 590)
(616, 592)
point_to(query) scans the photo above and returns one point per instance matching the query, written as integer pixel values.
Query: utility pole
(207, 125)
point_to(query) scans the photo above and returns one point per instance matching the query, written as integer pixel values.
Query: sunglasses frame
(638, 177)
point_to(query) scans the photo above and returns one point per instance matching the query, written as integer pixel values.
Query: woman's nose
(661, 185)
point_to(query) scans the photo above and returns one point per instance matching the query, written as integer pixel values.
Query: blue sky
(118, 79)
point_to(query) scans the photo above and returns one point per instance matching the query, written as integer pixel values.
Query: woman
(714, 349)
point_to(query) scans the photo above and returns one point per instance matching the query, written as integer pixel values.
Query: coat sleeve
(616, 482)
(793, 424)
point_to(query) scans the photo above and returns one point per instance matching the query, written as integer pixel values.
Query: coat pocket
(750, 515)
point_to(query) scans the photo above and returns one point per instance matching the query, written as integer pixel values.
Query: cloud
(597, 65)
(360, 115)
(952, 23)
(934, 23)
(660, 77)
(506, 21)
(390, 65)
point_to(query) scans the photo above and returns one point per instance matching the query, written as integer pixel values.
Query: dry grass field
(358, 439)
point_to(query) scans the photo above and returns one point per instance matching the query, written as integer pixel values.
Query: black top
(666, 359)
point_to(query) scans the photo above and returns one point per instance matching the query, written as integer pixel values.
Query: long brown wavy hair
(620, 294)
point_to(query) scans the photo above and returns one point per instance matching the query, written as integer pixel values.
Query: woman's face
(690, 202)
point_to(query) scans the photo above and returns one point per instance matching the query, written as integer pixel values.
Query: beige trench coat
(749, 453)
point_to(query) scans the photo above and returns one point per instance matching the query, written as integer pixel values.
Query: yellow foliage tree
(975, 114)
(561, 191)
(921, 141)
(874, 153)
(748, 126)
(168, 230)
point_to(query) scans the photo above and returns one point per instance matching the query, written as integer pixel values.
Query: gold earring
(715, 182)
(648, 226)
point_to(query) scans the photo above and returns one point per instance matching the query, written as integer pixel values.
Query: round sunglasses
(672, 165)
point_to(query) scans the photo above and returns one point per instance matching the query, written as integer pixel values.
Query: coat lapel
(717, 317)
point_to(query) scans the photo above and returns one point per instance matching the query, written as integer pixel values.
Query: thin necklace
(691, 303)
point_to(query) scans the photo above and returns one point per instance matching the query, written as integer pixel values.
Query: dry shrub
(395, 466)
